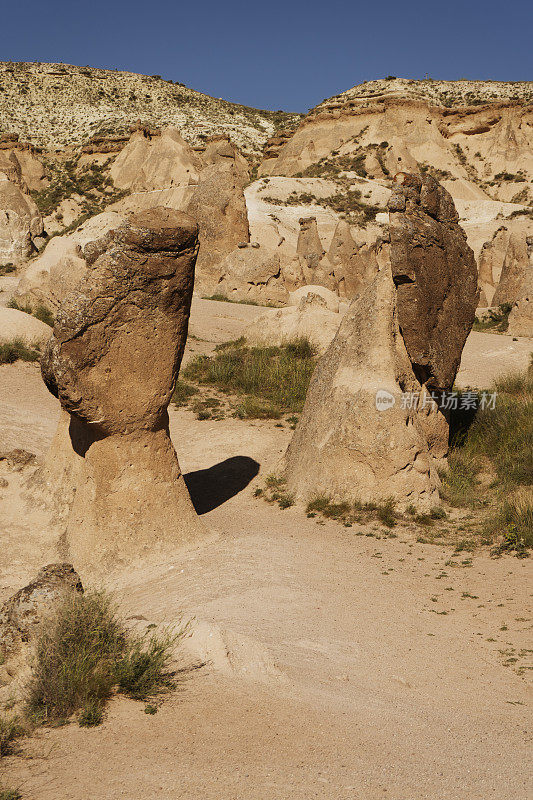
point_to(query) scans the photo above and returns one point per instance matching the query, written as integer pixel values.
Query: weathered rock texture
(219, 205)
(521, 316)
(350, 446)
(518, 260)
(310, 319)
(20, 223)
(21, 615)
(49, 278)
(435, 274)
(113, 361)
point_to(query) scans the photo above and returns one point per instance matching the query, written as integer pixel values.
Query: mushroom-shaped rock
(113, 361)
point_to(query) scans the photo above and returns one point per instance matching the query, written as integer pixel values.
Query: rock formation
(113, 361)
(20, 223)
(219, 206)
(55, 272)
(310, 319)
(150, 162)
(353, 266)
(363, 434)
(517, 262)
(21, 615)
(521, 316)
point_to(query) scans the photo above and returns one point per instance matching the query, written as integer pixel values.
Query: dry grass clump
(10, 730)
(268, 381)
(39, 312)
(490, 465)
(84, 654)
(275, 491)
(350, 512)
(17, 349)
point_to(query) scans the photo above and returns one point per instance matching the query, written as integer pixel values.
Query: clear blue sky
(287, 54)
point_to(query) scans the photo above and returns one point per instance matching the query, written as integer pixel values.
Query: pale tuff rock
(357, 439)
(52, 275)
(521, 316)
(112, 467)
(20, 223)
(310, 319)
(151, 162)
(343, 447)
(518, 261)
(353, 266)
(219, 205)
(331, 300)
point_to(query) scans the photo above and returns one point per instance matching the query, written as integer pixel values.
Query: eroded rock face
(113, 361)
(358, 438)
(20, 223)
(521, 316)
(56, 271)
(219, 205)
(435, 274)
(517, 262)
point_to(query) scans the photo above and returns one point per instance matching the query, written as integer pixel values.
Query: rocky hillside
(440, 93)
(475, 136)
(55, 106)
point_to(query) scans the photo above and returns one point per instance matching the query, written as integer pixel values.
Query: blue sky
(288, 55)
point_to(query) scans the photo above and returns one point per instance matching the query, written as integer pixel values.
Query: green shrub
(274, 379)
(183, 393)
(494, 320)
(10, 794)
(40, 312)
(17, 349)
(84, 653)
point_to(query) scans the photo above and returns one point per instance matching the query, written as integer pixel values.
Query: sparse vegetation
(496, 320)
(490, 466)
(40, 312)
(349, 512)
(10, 730)
(270, 381)
(84, 653)
(17, 349)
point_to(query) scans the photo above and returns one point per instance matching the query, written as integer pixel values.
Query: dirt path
(342, 664)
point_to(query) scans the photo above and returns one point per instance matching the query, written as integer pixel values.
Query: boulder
(15, 324)
(20, 223)
(369, 429)
(219, 205)
(112, 472)
(310, 319)
(250, 274)
(51, 276)
(521, 316)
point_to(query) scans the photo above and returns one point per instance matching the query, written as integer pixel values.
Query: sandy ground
(341, 664)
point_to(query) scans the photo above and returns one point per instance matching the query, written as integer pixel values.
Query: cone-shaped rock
(362, 434)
